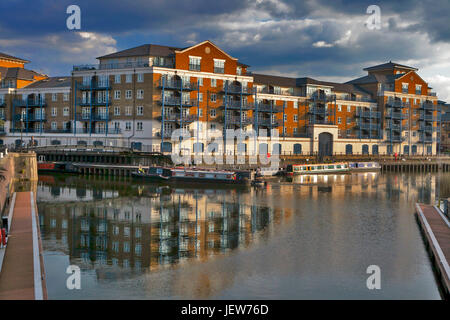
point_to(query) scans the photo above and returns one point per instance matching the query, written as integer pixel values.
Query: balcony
(29, 102)
(2, 103)
(96, 131)
(194, 67)
(368, 126)
(265, 107)
(397, 104)
(428, 106)
(30, 117)
(427, 128)
(236, 105)
(235, 89)
(425, 138)
(368, 114)
(270, 90)
(426, 117)
(94, 102)
(94, 86)
(92, 116)
(322, 97)
(268, 122)
(177, 101)
(177, 84)
(236, 120)
(173, 117)
(395, 138)
(219, 70)
(396, 115)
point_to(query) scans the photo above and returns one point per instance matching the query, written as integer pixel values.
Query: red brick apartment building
(139, 96)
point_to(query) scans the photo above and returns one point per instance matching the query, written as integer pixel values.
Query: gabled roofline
(415, 74)
(201, 43)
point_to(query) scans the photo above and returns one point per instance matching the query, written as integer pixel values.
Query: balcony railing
(394, 127)
(264, 107)
(176, 101)
(268, 122)
(426, 128)
(177, 84)
(236, 105)
(30, 117)
(2, 103)
(368, 114)
(321, 97)
(425, 138)
(96, 131)
(29, 102)
(428, 106)
(236, 120)
(269, 90)
(107, 66)
(396, 115)
(368, 126)
(395, 138)
(235, 89)
(94, 101)
(426, 117)
(92, 116)
(397, 104)
(94, 86)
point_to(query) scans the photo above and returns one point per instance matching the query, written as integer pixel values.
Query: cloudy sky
(328, 40)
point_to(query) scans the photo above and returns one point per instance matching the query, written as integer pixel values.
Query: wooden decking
(436, 230)
(22, 275)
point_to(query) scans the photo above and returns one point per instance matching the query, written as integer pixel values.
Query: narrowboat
(364, 166)
(210, 176)
(153, 174)
(56, 167)
(267, 172)
(318, 168)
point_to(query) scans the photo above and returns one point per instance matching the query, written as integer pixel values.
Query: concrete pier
(436, 231)
(22, 276)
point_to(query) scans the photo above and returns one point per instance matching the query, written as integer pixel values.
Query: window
(139, 126)
(128, 78)
(213, 126)
(117, 111)
(140, 94)
(128, 94)
(140, 77)
(127, 126)
(405, 87)
(219, 66)
(54, 125)
(86, 80)
(418, 89)
(295, 130)
(339, 108)
(66, 111)
(200, 82)
(128, 111)
(349, 109)
(54, 112)
(213, 83)
(194, 63)
(117, 78)
(117, 94)
(140, 110)
(285, 117)
(339, 120)
(295, 104)
(213, 112)
(200, 112)
(213, 97)
(295, 118)
(349, 120)
(200, 96)
(54, 97)
(66, 97)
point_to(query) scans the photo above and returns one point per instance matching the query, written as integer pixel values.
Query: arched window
(375, 149)
(297, 148)
(263, 148)
(365, 149)
(276, 148)
(348, 149)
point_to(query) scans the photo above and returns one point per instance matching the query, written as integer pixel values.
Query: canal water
(312, 237)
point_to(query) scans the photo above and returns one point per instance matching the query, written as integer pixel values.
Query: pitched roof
(143, 50)
(9, 57)
(52, 82)
(375, 78)
(19, 73)
(389, 65)
(273, 80)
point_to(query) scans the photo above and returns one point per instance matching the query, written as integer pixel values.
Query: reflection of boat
(318, 168)
(364, 166)
(56, 167)
(267, 172)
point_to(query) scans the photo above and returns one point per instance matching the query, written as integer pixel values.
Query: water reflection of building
(148, 232)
